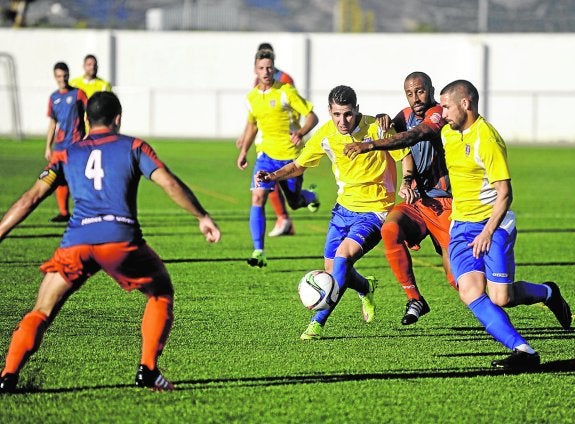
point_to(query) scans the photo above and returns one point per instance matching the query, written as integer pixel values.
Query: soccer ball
(318, 290)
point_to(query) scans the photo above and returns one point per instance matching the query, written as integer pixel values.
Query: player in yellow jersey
(365, 196)
(90, 82)
(483, 231)
(272, 110)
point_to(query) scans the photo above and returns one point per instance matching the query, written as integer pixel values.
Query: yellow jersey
(276, 113)
(90, 86)
(366, 183)
(476, 158)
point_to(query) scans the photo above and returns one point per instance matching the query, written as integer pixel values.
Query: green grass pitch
(235, 354)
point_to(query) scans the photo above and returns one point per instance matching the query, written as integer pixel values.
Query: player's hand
(262, 177)
(240, 141)
(384, 121)
(354, 149)
(296, 138)
(408, 194)
(242, 161)
(48, 155)
(210, 229)
(481, 244)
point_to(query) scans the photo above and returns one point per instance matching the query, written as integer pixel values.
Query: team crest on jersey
(467, 149)
(272, 103)
(69, 100)
(435, 118)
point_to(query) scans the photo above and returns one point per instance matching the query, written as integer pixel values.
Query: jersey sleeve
(297, 102)
(400, 121)
(312, 152)
(433, 118)
(146, 157)
(493, 154)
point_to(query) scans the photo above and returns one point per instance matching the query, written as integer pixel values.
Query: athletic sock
(277, 201)
(357, 282)
(526, 293)
(258, 226)
(399, 259)
(309, 197)
(340, 271)
(62, 194)
(25, 341)
(156, 325)
(496, 322)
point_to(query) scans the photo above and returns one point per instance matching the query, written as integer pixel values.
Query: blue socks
(340, 270)
(527, 293)
(496, 322)
(258, 226)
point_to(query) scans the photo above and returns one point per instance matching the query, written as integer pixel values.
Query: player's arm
(398, 141)
(482, 242)
(406, 190)
(291, 170)
(184, 197)
(50, 135)
(24, 206)
(248, 139)
(311, 121)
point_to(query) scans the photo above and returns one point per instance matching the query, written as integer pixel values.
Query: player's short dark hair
(61, 66)
(102, 108)
(265, 46)
(265, 54)
(342, 95)
(90, 56)
(421, 75)
(464, 88)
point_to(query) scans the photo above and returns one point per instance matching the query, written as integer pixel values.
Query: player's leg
(62, 194)
(28, 335)
(470, 274)
(297, 197)
(404, 227)
(258, 227)
(137, 266)
(283, 225)
(500, 270)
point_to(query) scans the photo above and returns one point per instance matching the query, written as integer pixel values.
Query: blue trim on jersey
(498, 264)
(363, 227)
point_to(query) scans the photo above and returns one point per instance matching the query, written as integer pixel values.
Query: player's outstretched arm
(291, 170)
(24, 207)
(398, 141)
(183, 196)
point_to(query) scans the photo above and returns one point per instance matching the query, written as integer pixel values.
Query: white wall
(192, 84)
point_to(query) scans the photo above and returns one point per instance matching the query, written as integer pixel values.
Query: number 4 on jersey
(94, 169)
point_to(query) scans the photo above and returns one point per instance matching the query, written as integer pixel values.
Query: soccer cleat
(8, 383)
(559, 306)
(313, 331)
(368, 301)
(314, 205)
(282, 228)
(258, 259)
(518, 361)
(413, 310)
(152, 379)
(60, 218)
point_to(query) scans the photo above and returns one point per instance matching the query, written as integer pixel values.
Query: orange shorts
(428, 216)
(133, 266)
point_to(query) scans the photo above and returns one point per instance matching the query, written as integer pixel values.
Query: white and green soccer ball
(318, 290)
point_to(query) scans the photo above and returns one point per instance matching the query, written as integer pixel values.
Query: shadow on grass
(552, 367)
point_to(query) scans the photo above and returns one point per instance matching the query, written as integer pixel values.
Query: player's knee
(391, 234)
(501, 299)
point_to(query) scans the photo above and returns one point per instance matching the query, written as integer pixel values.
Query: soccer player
(103, 172)
(483, 231)
(66, 108)
(418, 127)
(366, 194)
(272, 108)
(90, 82)
(284, 225)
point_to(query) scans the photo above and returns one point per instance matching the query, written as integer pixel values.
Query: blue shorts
(498, 264)
(265, 163)
(363, 227)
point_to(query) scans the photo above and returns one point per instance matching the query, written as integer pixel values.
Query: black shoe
(518, 361)
(8, 383)
(413, 310)
(559, 306)
(152, 379)
(60, 218)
